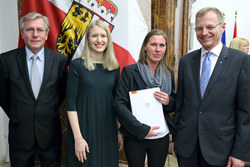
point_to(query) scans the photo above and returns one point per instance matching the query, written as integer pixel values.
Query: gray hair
(32, 16)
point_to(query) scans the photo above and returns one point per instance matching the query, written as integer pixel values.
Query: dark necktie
(35, 76)
(205, 73)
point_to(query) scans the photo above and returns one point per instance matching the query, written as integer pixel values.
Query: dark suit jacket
(32, 119)
(131, 80)
(221, 120)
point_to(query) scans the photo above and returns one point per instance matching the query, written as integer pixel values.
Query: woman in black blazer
(150, 71)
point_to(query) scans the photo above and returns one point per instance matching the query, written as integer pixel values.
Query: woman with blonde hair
(240, 44)
(92, 139)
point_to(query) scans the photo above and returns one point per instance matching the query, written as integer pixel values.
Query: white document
(147, 109)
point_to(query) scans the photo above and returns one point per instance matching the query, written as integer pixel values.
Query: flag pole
(223, 37)
(235, 25)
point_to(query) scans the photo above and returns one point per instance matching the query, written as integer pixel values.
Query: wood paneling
(184, 26)
(163, 17)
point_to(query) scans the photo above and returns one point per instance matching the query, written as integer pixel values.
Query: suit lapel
(22, 65)
(48, 61)
(196, 71)
(220, 65)
(138, 79)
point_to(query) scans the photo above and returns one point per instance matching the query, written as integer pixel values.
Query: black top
(131, 80)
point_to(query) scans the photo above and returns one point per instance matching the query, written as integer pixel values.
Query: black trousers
(195, 160)
(26, 158)
(156, 150)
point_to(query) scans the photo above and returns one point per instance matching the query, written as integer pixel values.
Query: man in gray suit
(33, 80)
(213, 100)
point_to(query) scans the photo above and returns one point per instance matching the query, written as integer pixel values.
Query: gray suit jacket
(221, 120)
(32, 119)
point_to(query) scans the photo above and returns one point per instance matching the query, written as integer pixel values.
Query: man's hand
(234, 162)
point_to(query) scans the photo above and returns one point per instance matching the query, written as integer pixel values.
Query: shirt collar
(29, 54)
(216, 50)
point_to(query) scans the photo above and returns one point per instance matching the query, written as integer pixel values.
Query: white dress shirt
(213, 57)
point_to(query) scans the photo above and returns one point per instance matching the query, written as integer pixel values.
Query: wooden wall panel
(184, 25)
(163, 17)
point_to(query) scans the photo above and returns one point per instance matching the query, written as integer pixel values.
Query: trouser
(155, 149)
(25, 158)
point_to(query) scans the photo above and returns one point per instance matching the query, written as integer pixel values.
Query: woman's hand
(151, 132)
(173, 152)
(162, 97)
(81, 147)
(120, 141)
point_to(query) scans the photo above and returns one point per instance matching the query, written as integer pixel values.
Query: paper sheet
(147, 109)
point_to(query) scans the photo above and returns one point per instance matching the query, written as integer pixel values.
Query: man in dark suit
(213, 112)
(31, 93)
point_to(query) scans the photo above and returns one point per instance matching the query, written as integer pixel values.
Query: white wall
(8, 40)
(9, 25)
(228, 7)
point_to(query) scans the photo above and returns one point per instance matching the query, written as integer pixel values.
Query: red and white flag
(69, 20)
(235, 29)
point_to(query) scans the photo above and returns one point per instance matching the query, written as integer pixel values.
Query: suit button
(200, 112)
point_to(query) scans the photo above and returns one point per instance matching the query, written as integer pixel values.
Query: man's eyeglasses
(32, 30)
(209, 27)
